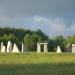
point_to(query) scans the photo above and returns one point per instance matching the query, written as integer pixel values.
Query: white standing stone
(9, 47)
(2, 47)
(38, 48)
(58, 49)
(23, 48)
(45, 48)
(73, 48)
(1, 44)
(15, 49)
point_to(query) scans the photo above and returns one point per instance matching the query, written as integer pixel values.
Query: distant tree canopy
(30, 38)
(71, 39)
(60, 41)
(31, 41)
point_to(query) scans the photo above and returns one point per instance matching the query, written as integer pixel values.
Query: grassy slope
(37, 64)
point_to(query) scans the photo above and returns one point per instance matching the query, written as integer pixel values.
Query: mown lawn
(37, 64)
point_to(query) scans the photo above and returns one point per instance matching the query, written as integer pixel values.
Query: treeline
(30, 39)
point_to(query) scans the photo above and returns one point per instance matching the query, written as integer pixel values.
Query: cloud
(72, 27)
(50, 26)
(40, 19)
(23, 13)
(55, 26)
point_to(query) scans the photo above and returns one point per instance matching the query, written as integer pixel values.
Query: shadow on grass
(37, 69)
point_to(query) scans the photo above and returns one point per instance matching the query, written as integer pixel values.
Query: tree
(5, 38)
(61, 41)
(28, 42)
(42, 35)
(51, 45)
(31, 42)
(70, 40)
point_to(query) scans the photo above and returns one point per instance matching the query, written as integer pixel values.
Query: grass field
(37, 64)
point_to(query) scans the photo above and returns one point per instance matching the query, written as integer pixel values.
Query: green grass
(37, 64)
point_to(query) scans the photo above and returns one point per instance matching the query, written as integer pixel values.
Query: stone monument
(23, 48)
(58, 49)
(71, 48)
(2, 47)
(9, 47)
(39, 47)
(15, 48)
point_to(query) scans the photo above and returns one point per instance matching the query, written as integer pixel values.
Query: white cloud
(57, 25)
(50, 26)
(72, 27)
(54, 24)
(39, 19)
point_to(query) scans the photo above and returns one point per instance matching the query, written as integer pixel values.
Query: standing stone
(38, 47)
(2, 47)
(15, 48)
(9, 47)
(23, 48)
(45, 48)
(1, 44)
(73, 48)
(58, 49)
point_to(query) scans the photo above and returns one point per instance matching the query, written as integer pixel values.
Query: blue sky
(53, 17)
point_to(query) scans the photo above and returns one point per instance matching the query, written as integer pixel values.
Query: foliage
(17, 36)
(51, 45)
(60, 41)
(31, 42)
(30, 38)
(5, 38)
(43, 36)
(28, 42)
(71, 39)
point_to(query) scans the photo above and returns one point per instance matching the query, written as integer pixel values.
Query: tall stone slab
(9, 47)
(73, 48)
(15, 49)
(38, 47)
(23, 48)
(2, 47)
(45, 48)
(58, 49)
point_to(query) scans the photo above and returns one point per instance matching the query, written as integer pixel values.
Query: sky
(53, 17)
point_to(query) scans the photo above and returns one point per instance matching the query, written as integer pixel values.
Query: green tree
(28, 42)
(51, 45)
(5, 38)
(71, 40)
(31, 42)
(61, 41)
(42, 35)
